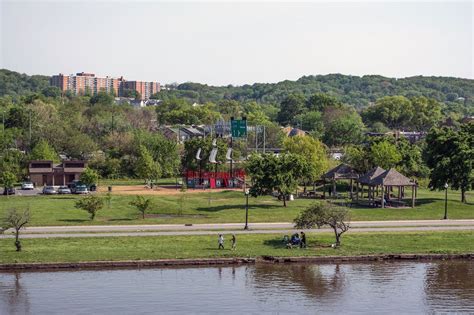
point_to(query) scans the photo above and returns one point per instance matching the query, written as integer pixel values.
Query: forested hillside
(351, 90)
(16, 84)
(457, 94)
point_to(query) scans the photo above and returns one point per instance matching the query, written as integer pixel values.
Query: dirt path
(159, 190)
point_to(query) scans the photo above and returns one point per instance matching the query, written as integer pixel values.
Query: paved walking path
(237, 228)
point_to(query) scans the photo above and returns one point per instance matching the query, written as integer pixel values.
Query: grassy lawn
(159, 247)
(220, 207)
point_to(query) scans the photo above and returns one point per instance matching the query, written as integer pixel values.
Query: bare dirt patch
(159, 190)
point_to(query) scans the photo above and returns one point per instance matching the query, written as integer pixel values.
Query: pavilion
(341, 172)
(386, 180)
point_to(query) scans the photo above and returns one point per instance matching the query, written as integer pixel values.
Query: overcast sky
(237, 42)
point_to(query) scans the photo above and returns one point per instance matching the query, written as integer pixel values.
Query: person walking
(234, 241)
(220, 241)
(303, 240)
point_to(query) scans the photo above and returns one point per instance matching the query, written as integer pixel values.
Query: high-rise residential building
(83, 83)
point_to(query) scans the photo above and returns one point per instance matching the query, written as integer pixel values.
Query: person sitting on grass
(286, 241)
(295, 239)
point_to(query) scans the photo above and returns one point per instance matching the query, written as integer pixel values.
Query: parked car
(72, 185)
(93, 187)
(63, 190)
(81, 190)
(49, 190)
(9, 191)
(27, 186)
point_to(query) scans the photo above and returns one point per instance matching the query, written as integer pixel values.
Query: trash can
(110, 188)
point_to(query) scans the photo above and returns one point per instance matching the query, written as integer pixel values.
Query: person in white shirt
(220, 241)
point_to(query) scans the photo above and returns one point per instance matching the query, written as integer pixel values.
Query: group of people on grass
(295, 240)
(220, 241)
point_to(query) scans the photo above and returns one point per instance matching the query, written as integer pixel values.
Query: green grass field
(220, 207)
(161, 247)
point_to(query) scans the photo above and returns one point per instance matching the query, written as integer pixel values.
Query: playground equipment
(209, 179)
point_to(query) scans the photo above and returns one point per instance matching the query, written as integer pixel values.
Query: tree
(394, 111)
(358, 157)
(291, 106)
(449, 154)
(270, 173)
(312, 152)
(325, 214)
(385, 154)
(17, 221)
(146, 168)
(91, 204)
(142, 204)
(8, 179)
(310, 121)
(342, 126)
(43, 151)
(89, 177)
(102, 98)
(320, 101)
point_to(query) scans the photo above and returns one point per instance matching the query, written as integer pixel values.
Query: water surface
(382, 287)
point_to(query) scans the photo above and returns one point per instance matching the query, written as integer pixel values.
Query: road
(236, 228)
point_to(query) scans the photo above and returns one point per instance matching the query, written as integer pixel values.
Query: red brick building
(82, 82)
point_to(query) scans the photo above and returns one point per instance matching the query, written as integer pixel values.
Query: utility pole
(256, 143)
(30, 131)
(3, 131)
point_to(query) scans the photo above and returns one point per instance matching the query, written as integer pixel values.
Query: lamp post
(446, 201)
(247, 192)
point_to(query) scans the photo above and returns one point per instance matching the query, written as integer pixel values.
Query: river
(381, 287)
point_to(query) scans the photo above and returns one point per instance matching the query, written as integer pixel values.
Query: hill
(456, 93)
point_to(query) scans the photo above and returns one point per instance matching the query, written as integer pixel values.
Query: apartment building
(82, 83)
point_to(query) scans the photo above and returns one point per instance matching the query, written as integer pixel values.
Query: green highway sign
(238, 128)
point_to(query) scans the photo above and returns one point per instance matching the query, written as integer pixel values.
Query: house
(49, 173)
(291, 132)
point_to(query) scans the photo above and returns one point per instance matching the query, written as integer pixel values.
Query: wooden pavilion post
(383, 197)
(399, 193)
(357, 191)
(413, 196)
(334, 187)
(352, 189)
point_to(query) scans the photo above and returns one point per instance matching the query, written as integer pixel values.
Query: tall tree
(43, 151)
(385, 154)
(312, 152)
(342, 126)
(320, 101)
(291, 106)
(270, 173)
(146, 168)
(449, 154)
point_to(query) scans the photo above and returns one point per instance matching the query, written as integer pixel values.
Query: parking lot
(20, 192)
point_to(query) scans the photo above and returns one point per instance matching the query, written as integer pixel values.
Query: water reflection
(14, 296)
(396, 287)
(450, 284)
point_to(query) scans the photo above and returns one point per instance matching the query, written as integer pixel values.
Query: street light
(446, 201)
(247, 192)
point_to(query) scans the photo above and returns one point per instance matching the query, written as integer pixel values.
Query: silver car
(63, 190)
(49, 190)
(27, 186)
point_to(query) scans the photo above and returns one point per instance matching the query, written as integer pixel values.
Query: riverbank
(250, 246)
(229, 261)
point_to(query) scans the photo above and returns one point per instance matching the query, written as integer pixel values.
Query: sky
(221, 43)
